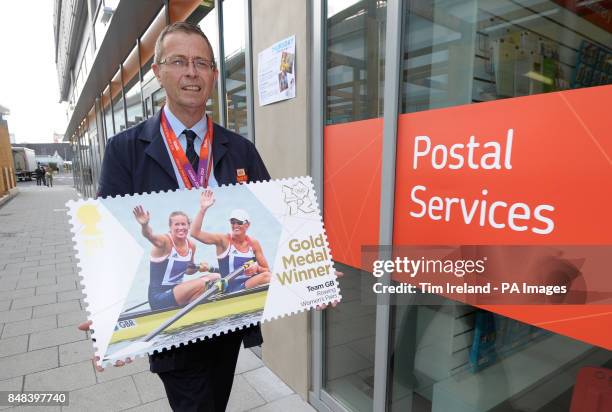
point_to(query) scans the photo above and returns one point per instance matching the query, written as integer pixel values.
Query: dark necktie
(192, 156)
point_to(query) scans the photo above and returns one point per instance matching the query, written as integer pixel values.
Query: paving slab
(29, 283)
(8, 284)
(15, 315)
(293, 403)
(247, 361)
(56, 308)
(54, 337)
(161, 405)
(75, 352)
(61, 286)
(34, 301)
(70, 295)
(12, 384)
(35, 409)
(109, 396)
(63, 378)
(267, 384)
(28, 326)
(71, 318)
(243, 396)
(38, 257)
(17, 294)
(29, 362)
(150, 387)
(14, 345)
(39, 268)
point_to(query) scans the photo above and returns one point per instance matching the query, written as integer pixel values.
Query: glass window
(355, 59)
(234, 40)
(76, 164)
(108, 120)
(355, 66)
(350, 334)
(150, 87)
(85, 163)
(133, 103)
(458, 357)
(461, 52)
(206, 17)
(94, 154)
(147, 72)
(148, 108)
(159, 99)
(118, 112)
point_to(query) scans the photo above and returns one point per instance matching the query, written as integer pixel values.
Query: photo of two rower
(202, 269)
(173, 253)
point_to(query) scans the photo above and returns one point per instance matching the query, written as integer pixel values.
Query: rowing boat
(134, 325)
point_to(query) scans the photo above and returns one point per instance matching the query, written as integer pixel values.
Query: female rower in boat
(233, 249)
(171, 258)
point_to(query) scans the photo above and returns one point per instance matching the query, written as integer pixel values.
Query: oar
(145, 343)
(210, 270)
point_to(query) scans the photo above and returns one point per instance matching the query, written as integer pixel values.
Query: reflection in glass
(118, 113)
(350, 331)
(85, 163)
(94, 155)
(234, 37)
(159, 99)
(133, 103)
(461, 52)
(355, 59)
(108, 121)
(205, 16)
(147, 72)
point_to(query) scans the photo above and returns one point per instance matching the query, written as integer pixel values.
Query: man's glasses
(182, 63)
(237, 222)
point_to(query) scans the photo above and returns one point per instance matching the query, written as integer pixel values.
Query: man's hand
(141, 215)
(203, 267)
(85, 326)
(207, 199)
(335, 302)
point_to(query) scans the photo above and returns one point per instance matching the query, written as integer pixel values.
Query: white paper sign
(276, 72)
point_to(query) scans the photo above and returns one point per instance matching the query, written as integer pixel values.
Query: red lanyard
(189, 176)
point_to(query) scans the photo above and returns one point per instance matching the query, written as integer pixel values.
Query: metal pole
(317, 113)
(387, 193)
(221, 66)
(248, 71)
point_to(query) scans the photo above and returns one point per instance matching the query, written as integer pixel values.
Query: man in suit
(198, 376)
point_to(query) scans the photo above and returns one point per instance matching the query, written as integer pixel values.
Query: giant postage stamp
(164, 269)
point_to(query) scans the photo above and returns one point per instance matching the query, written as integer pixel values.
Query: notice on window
(276, 72)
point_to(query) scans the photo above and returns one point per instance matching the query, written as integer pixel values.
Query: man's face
(179, 227)
(187, 88)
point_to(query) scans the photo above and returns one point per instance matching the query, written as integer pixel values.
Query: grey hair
(179, 27)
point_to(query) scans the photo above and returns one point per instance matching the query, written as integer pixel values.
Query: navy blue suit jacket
(137, 161)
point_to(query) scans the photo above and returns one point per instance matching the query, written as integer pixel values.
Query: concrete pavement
(41, 304)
